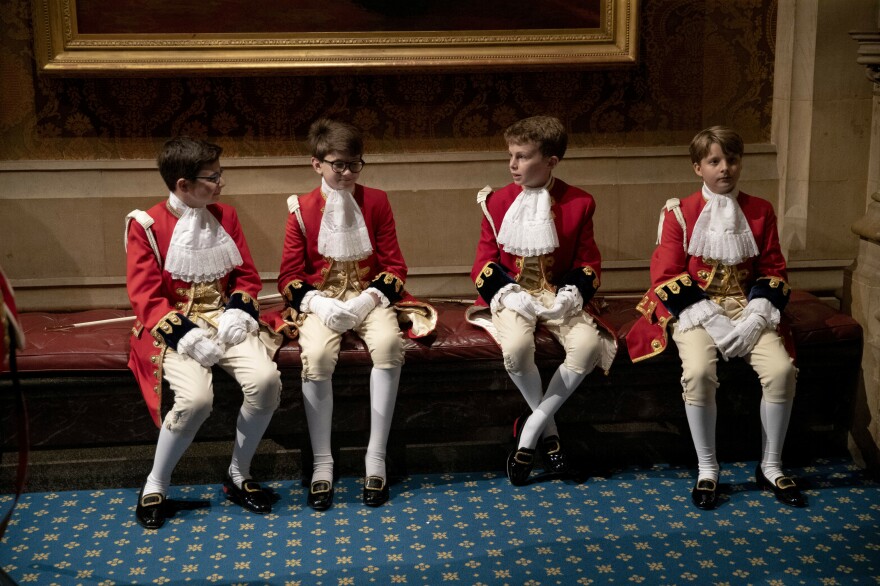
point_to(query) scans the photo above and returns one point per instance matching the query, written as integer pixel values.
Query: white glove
(197, 344)
(332, 312)
(522, 303)
(568, 302)
(762, 307)
(720, 328)
(234, 327)
(362, 305)
(745, 335)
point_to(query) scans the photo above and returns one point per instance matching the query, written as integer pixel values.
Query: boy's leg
(778, 377)
(580, 339)
(320, 351)
(516, 336)
(699, 358)
(318, 402)
(250, 365)
(192, 386)
(384, 340)
(193, 395)
(383, 396)
(561, 386)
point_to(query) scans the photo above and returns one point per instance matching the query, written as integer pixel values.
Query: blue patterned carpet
(634, 527)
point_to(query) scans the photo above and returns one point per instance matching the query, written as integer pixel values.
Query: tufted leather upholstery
(54, 346)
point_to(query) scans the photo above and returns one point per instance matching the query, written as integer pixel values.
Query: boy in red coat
(537, 262)
(718, 280)
(342, 270)
(193, 287)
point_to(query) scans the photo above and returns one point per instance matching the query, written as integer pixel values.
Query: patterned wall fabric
(701, 62)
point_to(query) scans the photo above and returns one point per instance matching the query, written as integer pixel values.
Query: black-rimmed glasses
(213, 178)
(341, 166)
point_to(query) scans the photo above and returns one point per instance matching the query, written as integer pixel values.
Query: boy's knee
(189, 417)
(387, 351)
(518, 364)
(698, 392)
(266, 391)
(582, 360)
(780, 383)
(317, 367)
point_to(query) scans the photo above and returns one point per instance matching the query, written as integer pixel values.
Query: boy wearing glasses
(342, 270)
(193, 287)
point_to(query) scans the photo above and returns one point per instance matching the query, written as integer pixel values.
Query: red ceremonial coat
(303, 268)
(156, 297)
(680, 278)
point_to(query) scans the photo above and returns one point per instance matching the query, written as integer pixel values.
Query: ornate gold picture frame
(163, 45)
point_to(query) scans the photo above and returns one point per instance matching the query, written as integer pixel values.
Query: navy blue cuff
(246, 303)
(294, 292)
(389, 285)
(586, 281)
(491, 280)
(172, 328)
(679, 293)
(776, 290)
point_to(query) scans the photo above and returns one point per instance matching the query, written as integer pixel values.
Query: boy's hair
(545, 131)
(327, 135)
(183, 158)
(730, 142)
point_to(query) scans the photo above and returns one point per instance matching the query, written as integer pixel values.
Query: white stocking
(529, 385)
(774, 424)
(383, 396)
(318, 400)
(701, 421)
(561, 386)
(249, 431)
(169, 449)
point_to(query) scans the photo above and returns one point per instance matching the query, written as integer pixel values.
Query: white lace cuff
(696, 313)
(496, 305)
(307, 298)
(762, 306)
(383, 301)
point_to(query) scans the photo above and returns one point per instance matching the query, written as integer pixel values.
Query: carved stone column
(862, 278)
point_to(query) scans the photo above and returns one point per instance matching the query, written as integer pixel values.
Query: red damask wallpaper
(701, 62)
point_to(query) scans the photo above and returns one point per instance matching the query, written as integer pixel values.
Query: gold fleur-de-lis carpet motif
(635, 526)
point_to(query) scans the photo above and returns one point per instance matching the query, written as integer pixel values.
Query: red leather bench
(454, 390)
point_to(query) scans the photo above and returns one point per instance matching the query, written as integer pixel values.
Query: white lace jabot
(200, 250)
(722, 232)
(343, 234)
(528, 228)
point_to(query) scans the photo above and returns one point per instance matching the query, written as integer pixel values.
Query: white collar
(343, 234)
(528, 228)
(722, 232)
(200, 249)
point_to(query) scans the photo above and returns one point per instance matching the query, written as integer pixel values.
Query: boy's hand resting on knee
(198, 345)
(745, 335)
(568, 302)
(362, 305)
(522, 303)
(234, 327)
(332, 312)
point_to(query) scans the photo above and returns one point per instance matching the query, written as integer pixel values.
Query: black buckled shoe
(151, 510)
(785, 489)
(519, 465)
(320, 495)
(552, 456)
(250, 496)
(705, 494)
(375, 491)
